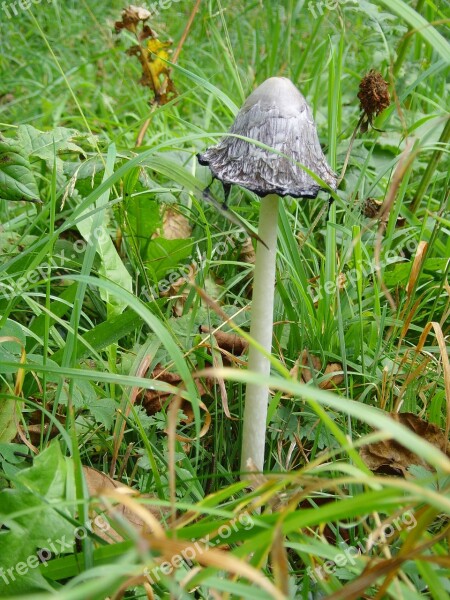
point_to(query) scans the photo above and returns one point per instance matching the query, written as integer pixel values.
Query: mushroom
(275, 115)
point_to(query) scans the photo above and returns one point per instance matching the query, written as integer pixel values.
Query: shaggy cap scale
(277, 115)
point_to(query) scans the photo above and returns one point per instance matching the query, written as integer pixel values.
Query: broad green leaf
(17, 181)
(44, 143)
(31, 523)
(163, 255)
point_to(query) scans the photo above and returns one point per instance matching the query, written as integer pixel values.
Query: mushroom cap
(277, 115)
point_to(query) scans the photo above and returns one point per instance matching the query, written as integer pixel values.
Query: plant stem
(261, 329)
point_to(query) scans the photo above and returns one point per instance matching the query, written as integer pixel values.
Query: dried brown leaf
(154, 401)
(99, 483)
(390, 457)
(175, 226)
(332, 382)
(371, 208)
(416, 266)
(153, 55)
(230, 342)
(306, 366)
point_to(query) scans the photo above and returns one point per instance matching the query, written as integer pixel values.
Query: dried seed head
(131, 17)
(373, 94)
(276, 115)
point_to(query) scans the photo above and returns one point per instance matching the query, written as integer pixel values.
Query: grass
(83, 326)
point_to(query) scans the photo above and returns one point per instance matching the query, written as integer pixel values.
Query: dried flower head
(131, 17)
(373, 95)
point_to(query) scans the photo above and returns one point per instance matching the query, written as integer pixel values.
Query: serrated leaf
(45, 144)
(103, 411)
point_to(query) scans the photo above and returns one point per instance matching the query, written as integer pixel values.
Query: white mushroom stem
(261, 330)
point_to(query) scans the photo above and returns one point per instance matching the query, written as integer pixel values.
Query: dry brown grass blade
(412, 375)
(421, 253)
(424, 518)
(407, 320)
(446, 368)
(445, 363)
(219, 559)
(217, 362)
(172, 421)
(279, 561)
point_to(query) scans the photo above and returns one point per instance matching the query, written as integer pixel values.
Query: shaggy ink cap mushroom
(277, 115)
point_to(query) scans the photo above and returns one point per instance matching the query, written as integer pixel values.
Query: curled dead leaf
(154, 401)
(332, 382)
(308, 366)
(371, 208)
(99, 483)
(175, 226)
(229, 342)
(391, 458)
(305, 366)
